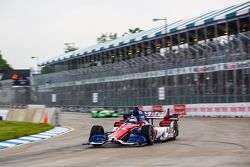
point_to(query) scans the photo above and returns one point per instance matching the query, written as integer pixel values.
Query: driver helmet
(136, 111)
(133, 120)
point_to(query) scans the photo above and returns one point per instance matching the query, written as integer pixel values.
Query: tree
(107, 37)
(112, 36)
(3, 64)
(102, 38)
(132, 31)
(70, 47)
(47, 69)
(135, 30)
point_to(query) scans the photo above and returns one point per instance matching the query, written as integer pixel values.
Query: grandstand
(205, 59)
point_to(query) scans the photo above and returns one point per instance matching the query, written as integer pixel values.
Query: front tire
(148, 132)
(96, 130)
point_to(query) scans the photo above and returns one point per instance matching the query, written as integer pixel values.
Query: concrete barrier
(35, 106)
(3, 113)
(219, 109)
(36, 115)
(210, 109)
(16, 115)
(54, 116)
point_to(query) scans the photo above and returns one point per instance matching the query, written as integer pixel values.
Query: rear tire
(148, 132)
(96, 130)
(175, 130)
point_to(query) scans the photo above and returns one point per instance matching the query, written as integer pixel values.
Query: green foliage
(132, 31)
(112, 36)
(3, 64)
(107, 37)
(47, 69)
(102, 38)
(70, 47)
(11, 130)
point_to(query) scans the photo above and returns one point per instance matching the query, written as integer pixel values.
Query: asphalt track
(202, 142)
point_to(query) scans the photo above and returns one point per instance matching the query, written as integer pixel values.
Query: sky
(40, 28)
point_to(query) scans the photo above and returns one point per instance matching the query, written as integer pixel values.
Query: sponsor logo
(157, 108)
(180, 109)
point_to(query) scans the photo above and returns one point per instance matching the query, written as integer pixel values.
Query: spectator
(243, 88)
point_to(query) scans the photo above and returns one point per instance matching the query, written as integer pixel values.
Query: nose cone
(123, 130)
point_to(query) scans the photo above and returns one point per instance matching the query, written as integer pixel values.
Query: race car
(103, 113)
(136, 132)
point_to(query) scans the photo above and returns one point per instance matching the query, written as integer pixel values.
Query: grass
(12, 130)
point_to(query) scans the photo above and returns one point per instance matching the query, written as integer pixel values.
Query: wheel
(175, 130)
(96, 130)
(148, 132)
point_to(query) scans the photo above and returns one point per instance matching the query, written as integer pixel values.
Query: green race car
(103, 113)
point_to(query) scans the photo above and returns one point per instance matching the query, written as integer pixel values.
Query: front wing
(134, 139)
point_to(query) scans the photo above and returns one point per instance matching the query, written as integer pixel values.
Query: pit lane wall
(34, 115)
(205, 109)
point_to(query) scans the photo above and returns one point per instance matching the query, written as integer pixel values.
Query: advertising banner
(157, 108)
(180, 109)
(95, 97)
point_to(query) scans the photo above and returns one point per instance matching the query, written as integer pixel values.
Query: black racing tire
(96, 130)
(148, 132)
(175, 130)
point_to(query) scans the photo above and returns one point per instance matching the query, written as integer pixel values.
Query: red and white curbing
(57, 131)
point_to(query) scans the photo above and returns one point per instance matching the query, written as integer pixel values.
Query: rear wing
(161, 115)
(149, 115)
(154, 114)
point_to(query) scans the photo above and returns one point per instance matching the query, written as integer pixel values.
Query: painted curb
(57, 131)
